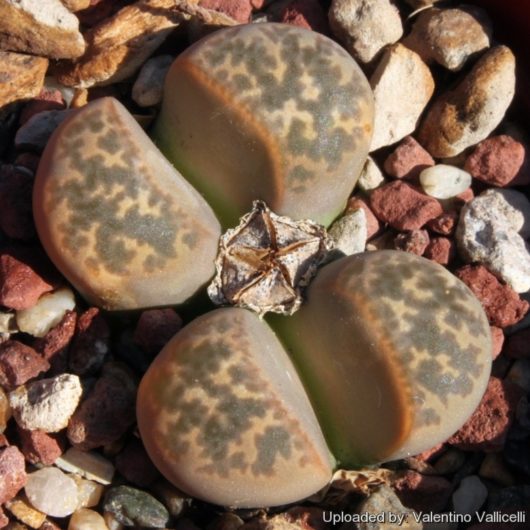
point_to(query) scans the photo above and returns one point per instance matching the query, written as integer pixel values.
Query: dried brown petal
(265, 261)
(344, 482)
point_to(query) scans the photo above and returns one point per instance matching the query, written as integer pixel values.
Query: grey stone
(149, 85)
(349, 233)
(36, 132)
(491, 230)
(133, 507)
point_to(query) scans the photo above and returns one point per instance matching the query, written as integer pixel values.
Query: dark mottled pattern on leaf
(216, 397)
(312, 81)
(105, 204)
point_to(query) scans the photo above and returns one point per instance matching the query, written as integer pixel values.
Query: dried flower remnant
(265, 261)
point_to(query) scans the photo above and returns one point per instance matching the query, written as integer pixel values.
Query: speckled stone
(131, 507)
(415, 241)
(148, 88)
(467, 114)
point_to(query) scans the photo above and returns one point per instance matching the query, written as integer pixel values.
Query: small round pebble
(86, 520)
(52, 492)
(46, 313)
(131, 507)
(444, 182)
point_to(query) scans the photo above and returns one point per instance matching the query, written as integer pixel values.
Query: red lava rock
(4, 521)
(12, 472)
(135, 465)
(46, 100)
(464, 197)
(487, 428)
(372, 223)
(239, 10)
(502, 304)
(20, 285)
(19, 363)
(306, 14)
(426, 493)
(3, 441)
(107, 412)
(497, 339)
(155, 327)
(90, 345)
(402, 206)
(415, 241)
(40, 447)
(54, 345)
(441, 250)
(518, 345)
(16, 217)
(499, 161)
(408, 160)
(444, 224)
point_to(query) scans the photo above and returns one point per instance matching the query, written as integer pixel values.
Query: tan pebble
(119, 45)
(464, 116)
(398, 104)
(23, 511)
(87, 520)
(450, 36)
(22, 76)
(44, 28)
(5, 410)
(365, 26)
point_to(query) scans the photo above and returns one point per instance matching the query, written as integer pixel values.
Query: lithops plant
(388, 355)
(116, 218)
(267, 111)
(393, 351)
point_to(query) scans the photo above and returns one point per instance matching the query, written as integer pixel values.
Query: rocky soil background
(447, 179)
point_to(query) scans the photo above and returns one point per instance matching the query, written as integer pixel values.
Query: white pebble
(371, 176)
(86, 520)
(444, 182)
(46, 313)
(52, 492)
(491, 231)
(47, 404)
(90, 465)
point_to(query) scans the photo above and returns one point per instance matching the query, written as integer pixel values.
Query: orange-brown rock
(44, 28)
(22, 75)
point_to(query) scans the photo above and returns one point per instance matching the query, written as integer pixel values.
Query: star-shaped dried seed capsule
(265, 261)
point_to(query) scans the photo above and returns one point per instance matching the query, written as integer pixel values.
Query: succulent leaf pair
(388, 356)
